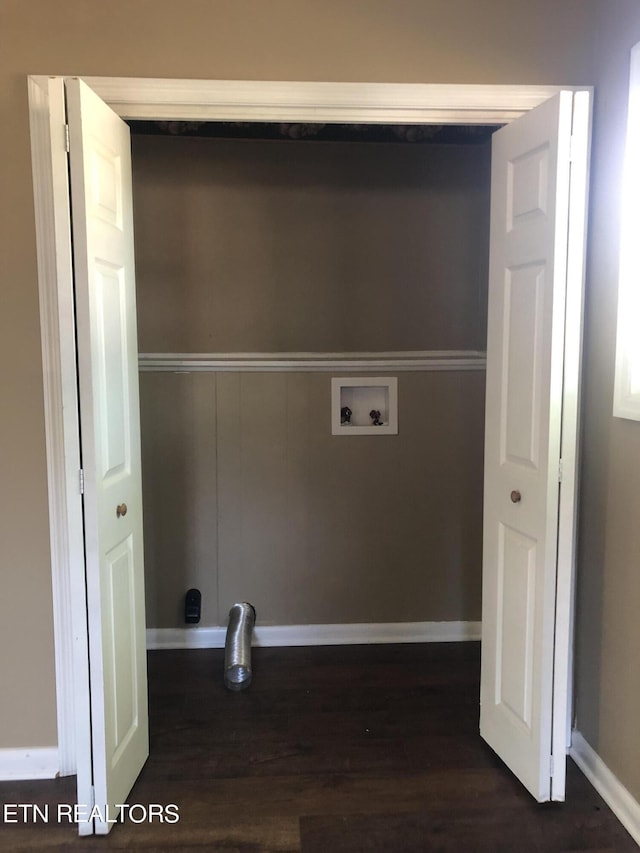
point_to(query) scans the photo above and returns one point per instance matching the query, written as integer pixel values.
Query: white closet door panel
(525, 352)
(110, 422)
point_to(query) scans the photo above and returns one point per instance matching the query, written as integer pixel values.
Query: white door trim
(57, 323)
(145, 98)
(569, 448)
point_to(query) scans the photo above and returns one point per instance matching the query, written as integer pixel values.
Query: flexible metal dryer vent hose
(237, 650)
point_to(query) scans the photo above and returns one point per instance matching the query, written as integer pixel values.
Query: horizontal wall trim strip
(26, 763)
(621, 802)
(318, 635)
(313, 361)
(252, 100)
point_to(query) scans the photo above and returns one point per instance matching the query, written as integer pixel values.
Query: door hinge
(67, 145)
(81, 481)
(560, 471)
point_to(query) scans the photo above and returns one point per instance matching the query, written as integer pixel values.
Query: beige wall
(405, 40)
(608, 627)
(179, 444)
(282, 246)
(250, 246)
(248, 496)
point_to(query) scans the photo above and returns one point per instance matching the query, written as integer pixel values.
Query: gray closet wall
(248, 246)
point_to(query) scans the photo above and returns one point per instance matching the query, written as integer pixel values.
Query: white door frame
(150, 98)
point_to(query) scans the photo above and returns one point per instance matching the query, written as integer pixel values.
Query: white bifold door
(526, 595)
(103, 255)
(532, 315)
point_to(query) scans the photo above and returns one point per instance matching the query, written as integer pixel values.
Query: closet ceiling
(400, 133)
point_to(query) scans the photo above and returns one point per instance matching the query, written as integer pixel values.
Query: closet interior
(271, 259)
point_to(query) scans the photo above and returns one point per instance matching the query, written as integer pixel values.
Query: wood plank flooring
(330, 750)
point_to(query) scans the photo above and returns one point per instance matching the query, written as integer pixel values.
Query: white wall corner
(25, 763)
(621, 802)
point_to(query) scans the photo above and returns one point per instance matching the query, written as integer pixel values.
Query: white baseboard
(25, 763)
(624, 806)
(318, 635)
(185, 638)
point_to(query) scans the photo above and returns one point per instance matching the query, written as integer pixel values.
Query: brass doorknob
(121, 510)
(516, 497)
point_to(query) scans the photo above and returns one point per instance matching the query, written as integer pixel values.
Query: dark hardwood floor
(331, 750)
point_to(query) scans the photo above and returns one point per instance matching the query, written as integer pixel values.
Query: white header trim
(251, 100)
